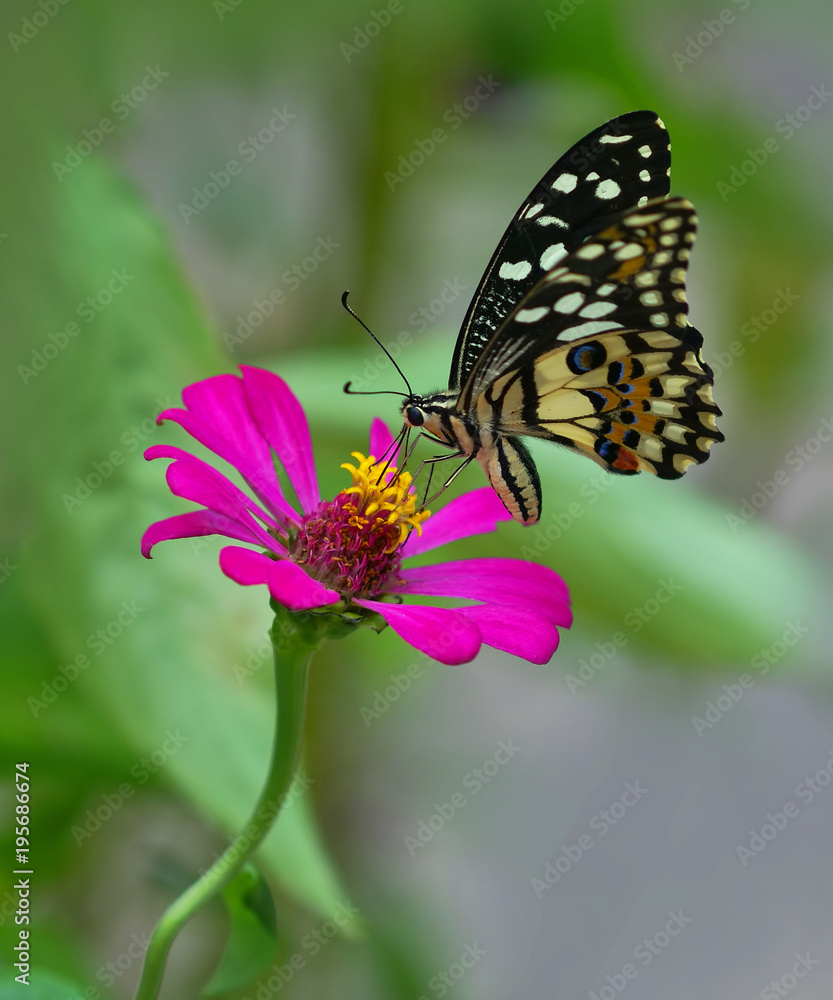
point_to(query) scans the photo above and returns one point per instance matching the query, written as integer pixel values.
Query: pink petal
(520, 632)
(218, 417)
(381, 440)
(471, 514)
(510, 582)
(287, 582)
(245, 566)
(291, 586)
(171, 451)
(283, 424)
(192, 525)
(442, 634)
(193, 479)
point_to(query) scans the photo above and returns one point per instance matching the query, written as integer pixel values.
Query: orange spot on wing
(626, 461)
(628, 268)
(645, 423)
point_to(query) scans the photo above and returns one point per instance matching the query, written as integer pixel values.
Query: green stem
(294, 639)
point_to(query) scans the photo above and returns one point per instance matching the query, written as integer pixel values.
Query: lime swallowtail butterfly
(578, 330)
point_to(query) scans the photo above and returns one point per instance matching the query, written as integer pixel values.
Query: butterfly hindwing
(643, 404)
(620, 164)
(599, 355)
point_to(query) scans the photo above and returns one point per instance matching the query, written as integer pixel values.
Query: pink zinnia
(348, 553)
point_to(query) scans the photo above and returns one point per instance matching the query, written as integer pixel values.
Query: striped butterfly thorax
(578, 330)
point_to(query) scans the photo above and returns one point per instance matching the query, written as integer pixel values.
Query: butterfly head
(412, 413)
(434, 415)
(423, 411)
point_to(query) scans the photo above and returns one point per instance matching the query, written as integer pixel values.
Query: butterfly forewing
(599, 354)
(619, 165)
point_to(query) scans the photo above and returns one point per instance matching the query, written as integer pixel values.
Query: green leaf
(160, 638)
(251, 943)
(43, 985)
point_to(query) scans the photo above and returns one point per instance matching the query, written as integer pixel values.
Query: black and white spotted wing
(621, 164)
(599, 356)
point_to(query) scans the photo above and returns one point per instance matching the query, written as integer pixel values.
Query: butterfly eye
(415, 416)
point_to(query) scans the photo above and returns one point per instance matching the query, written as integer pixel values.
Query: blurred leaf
(42, 985)
(160, 639)
(251, 942)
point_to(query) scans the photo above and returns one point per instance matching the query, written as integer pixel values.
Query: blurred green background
(116, 122)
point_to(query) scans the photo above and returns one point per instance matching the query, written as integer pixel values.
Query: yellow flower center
(382, 493)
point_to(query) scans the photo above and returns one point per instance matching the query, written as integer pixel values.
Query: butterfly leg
(442, 458)
(431, 462)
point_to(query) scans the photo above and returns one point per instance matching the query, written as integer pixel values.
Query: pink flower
(348, 553)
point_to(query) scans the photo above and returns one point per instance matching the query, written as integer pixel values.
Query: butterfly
(578, 331)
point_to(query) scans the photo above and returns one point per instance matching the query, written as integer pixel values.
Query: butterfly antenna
(387, 352)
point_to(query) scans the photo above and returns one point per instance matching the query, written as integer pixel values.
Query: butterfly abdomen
(513, 476)
(505, 460)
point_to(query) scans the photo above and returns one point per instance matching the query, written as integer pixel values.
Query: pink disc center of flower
(352, 543)
(348, 551)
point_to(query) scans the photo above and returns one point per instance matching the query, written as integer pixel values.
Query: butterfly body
(481, 436)
(578, 331)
